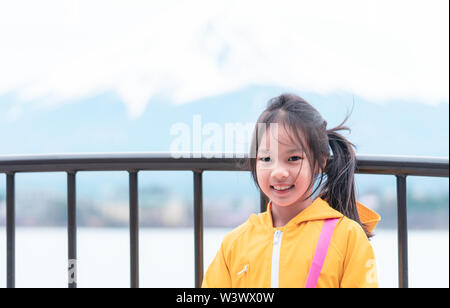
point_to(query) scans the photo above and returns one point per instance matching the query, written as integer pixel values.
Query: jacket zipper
(276, 259)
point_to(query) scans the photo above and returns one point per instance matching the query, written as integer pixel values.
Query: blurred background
(116, 76)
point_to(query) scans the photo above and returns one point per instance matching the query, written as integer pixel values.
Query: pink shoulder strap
(321, 252)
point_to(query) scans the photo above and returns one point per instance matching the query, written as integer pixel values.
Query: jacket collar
(318, 210)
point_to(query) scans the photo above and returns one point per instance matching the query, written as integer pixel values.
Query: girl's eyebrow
(295, 150)
(288, 151)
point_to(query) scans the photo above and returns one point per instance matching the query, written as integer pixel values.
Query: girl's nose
(279, 172)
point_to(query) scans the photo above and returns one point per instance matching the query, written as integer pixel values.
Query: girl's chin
(282, 203)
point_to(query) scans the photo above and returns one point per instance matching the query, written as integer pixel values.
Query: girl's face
(282, 169)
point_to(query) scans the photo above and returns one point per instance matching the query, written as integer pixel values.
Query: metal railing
(399, 166)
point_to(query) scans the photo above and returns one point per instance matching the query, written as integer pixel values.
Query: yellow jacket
(257, 255)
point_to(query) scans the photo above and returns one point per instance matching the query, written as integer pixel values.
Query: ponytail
(339, 189)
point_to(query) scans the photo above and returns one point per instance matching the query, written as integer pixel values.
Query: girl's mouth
(281, 190)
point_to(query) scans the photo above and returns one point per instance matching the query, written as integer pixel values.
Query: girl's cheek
(263, 177)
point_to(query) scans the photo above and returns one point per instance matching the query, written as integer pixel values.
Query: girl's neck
(281, 215)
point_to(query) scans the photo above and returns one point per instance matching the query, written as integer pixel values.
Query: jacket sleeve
(218, 274)
(360, 269)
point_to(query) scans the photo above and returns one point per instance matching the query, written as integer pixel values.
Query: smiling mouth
(279, 188)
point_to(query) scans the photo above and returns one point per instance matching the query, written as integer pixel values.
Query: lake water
(167, 257)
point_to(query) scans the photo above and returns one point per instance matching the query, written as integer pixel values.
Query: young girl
(299, 241)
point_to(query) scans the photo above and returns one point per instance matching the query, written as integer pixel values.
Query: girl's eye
(264, 159)
(296, 158)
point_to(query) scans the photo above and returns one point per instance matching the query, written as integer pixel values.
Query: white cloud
(53, 51)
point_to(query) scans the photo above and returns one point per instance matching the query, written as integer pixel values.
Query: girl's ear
(319, 169)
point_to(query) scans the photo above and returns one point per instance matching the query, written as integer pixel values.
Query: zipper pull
(276, 238)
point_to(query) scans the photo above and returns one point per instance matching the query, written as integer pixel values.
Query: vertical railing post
(10, 232)
(72, 228)
(263, 202)
(198, 227)
(134, 229)
(402, 235)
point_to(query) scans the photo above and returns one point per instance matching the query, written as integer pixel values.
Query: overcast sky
(55, 51)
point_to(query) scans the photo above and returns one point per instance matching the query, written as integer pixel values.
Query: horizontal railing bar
(366, 164)
(403, 165)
